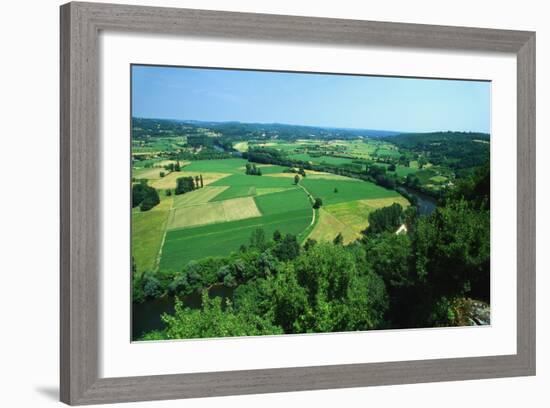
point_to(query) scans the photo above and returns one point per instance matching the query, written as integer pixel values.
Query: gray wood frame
(80, 25)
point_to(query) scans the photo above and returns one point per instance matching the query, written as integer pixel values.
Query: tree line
(188, 183)
(252, 170)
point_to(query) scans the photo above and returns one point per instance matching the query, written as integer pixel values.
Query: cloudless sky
(382, 103)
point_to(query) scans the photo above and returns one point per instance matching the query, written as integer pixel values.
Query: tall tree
(317, 203)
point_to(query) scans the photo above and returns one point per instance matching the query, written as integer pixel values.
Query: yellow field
(214, 212)
(167, 162)
(328, 227)
(149, 173)
(287, 175)
(200, 196)
(240, 208)
(354, 214)
(328, 176)
(349, 218)
(170, 180)
(384, 202)
(313, 175)
(147, 232)
(241, 146)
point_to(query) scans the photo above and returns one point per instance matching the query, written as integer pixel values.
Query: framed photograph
(262, 203)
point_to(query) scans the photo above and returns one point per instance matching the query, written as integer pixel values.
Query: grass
(376, 203)
(184, 245)
(403, 171)
(329, 176)
(282, 175)
(212, 213)
(347, 190)
(269, 169)
(216, 166)
(353, 214)
(388, 151)
(271, 190)
(349, 218)
(200, 196)
(219, 218)
(147, 232)
(277, 203)
(169, 181)
(240, 208)
(147, 173)
(313, 224)
(237, 180)
(328, 227)
(235, 192)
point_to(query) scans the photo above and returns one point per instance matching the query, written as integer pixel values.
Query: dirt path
(312, 200)
(159, 255)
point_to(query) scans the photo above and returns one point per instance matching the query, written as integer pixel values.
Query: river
(146, 316)
(425, 203)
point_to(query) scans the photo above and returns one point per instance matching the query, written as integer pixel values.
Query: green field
(217, 166)
(386, 151)
(328, 227)
(212, 213)
(148, 229)
(347, 190)
(240, 180)
(220, 217)
(184, 245)
(200, 196)
(269, 168)
(277, 203)
(269, 190)
(235, 192)
(147, 173)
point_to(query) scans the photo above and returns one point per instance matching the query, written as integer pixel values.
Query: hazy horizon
(301, 125)
(354, 102)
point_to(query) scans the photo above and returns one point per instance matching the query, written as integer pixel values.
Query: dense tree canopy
(385, 219)
(185, 184)
(144, 196)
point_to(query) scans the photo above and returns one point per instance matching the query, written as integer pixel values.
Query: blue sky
(383, 103)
